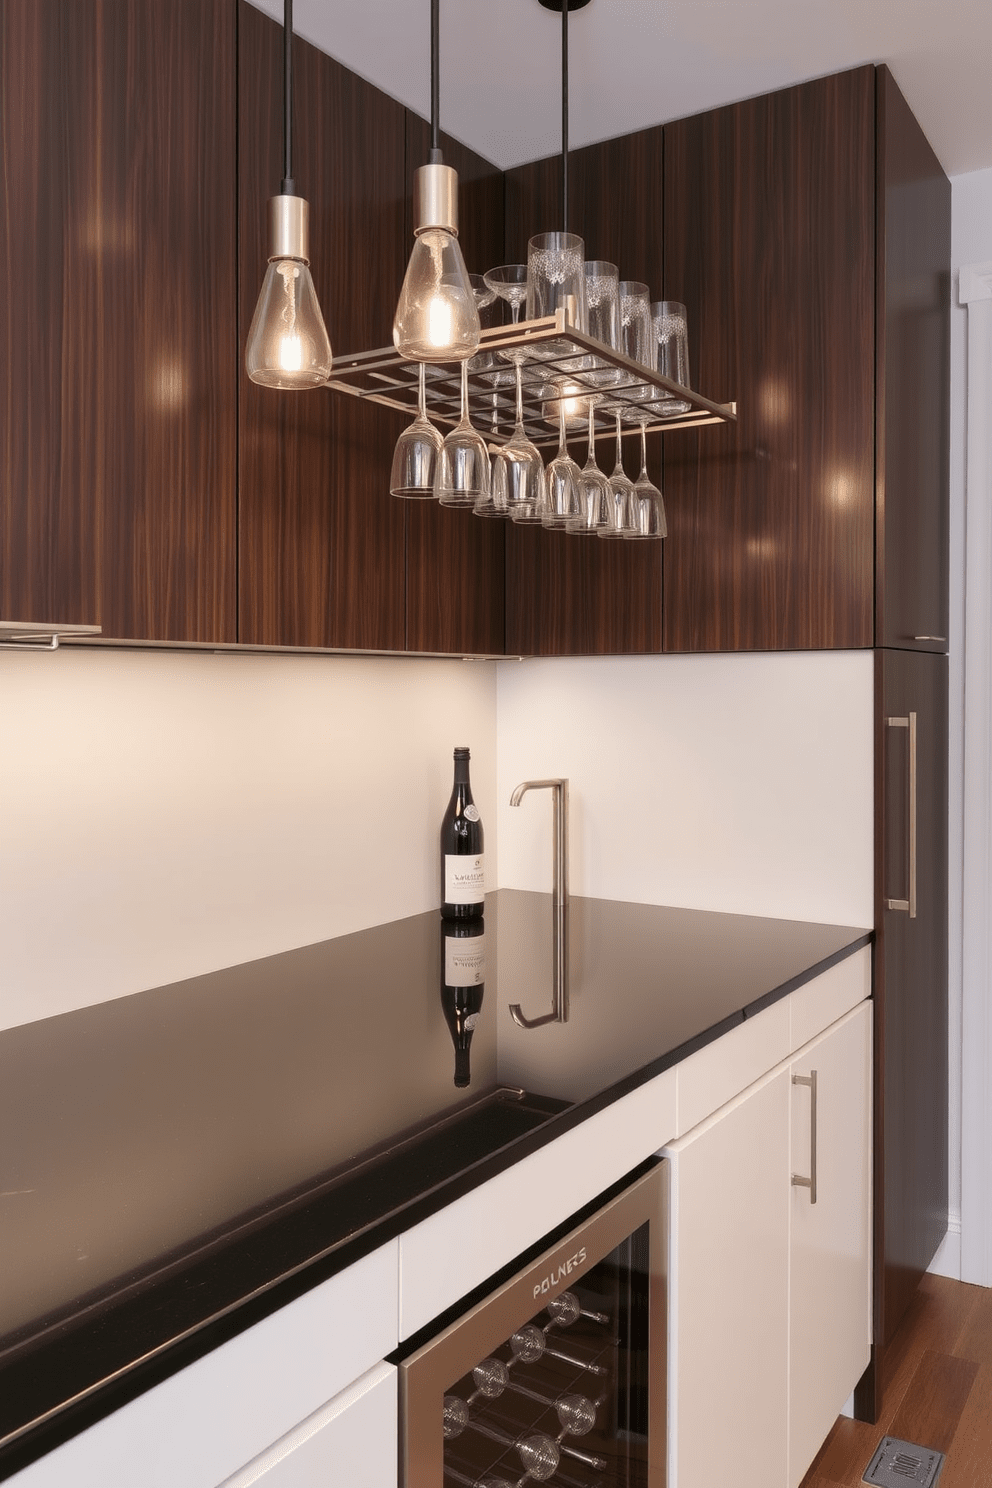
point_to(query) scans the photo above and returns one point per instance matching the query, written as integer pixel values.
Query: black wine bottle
(463, 977)
(463, 863)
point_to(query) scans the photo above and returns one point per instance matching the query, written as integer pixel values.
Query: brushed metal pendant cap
(289, 223)
(435, 198)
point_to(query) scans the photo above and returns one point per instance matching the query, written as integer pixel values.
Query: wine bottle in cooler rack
(463, 863)
(463, 978)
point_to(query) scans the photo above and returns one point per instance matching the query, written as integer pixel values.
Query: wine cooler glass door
(559, 1375)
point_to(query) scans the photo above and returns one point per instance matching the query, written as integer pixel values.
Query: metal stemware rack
(577, 366)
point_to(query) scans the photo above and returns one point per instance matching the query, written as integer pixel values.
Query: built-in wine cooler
(558, 1375)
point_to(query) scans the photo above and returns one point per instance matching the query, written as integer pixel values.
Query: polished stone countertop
(176, 1164)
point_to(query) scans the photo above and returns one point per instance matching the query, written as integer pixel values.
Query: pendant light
(437, 319)
(288, 345)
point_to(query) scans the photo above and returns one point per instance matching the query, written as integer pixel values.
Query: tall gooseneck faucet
(559, 901)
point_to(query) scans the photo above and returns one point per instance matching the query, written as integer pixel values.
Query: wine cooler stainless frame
(426, 1374)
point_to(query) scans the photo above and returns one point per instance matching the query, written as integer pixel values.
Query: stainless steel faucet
(559, 901)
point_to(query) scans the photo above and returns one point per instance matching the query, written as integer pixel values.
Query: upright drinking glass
(463, 475)
(668, 320)
(636, 330)
(556, 281)
(416, 452)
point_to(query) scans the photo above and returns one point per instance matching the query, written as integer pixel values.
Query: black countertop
(177, 1164)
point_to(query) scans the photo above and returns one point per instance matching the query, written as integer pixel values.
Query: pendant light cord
(564, 116)
(435, 155)
(288, 187)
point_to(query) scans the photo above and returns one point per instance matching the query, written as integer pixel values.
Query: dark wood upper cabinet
(118, 319)
(912, 451)
(322, 542)
(568, 595)
(770, 242)
(455, 560)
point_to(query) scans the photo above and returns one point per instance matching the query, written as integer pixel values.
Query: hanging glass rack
(578, 366)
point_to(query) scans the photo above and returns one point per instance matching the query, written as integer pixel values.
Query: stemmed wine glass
(647, 505)
(595, 495)
(563, 476)
(519, 485)
(416, 452)
(622, 494)
(463, 475)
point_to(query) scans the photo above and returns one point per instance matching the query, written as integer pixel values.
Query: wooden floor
(937, 1392)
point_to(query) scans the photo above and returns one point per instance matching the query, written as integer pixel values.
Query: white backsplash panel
(164, 814)
(740, 783)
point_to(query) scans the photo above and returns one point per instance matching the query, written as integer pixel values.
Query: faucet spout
(559, 898)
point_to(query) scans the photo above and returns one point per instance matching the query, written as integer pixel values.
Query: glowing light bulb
(437, 318)
(288, 346)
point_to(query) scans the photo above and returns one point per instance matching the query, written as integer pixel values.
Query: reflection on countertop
(168, 1154)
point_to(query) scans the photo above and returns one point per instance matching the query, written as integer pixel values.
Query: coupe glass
(463, 475)
(647, 505)
(519, 485)
(416, 452)
(621, 491)
(595, 495)
(563, 476)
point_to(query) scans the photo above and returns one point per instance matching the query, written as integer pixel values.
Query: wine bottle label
(471, 813)
(464, 962)
(464, 878)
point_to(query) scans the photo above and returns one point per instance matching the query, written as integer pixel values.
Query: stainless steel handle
(942, 639)
(797, 1180)
(559, 896)
(909, 722)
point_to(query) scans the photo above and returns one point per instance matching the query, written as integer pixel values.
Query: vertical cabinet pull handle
(908, 723)
(798, 1181)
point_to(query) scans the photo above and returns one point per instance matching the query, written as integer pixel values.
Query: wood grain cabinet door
(118, 317)
(770, 243)
(910, 975)
(912, 451)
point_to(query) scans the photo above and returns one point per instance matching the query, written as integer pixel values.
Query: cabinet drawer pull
(797, 1180)
(941, 639)
(910, 903)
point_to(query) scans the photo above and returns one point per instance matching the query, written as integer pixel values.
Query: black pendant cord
(288, 184)
(435, 155)
(564, 116)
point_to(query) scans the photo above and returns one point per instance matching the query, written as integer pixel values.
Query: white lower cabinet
(770, 1315)
(352, 1439)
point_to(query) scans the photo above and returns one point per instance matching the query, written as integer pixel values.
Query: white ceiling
(634, 63)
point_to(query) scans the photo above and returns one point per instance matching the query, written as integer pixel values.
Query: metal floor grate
(897, 1464)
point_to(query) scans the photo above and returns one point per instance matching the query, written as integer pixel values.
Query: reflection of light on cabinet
(762, 549)
(839, 488)
(167, 385)
(774, 401)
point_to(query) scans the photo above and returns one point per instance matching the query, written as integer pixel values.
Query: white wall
(971, 243)
(165, 814)
(738, 783)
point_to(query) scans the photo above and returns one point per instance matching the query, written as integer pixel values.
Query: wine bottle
(463, 977)
(463, 863)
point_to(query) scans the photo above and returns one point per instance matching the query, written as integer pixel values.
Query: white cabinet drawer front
(714, 1075)
(830, 1316)
(454, 1250)
(352, 1440)
(829, 996)
(201, 1425)
(728, 1317)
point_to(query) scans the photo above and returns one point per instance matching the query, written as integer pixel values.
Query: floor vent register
(897, 1464)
